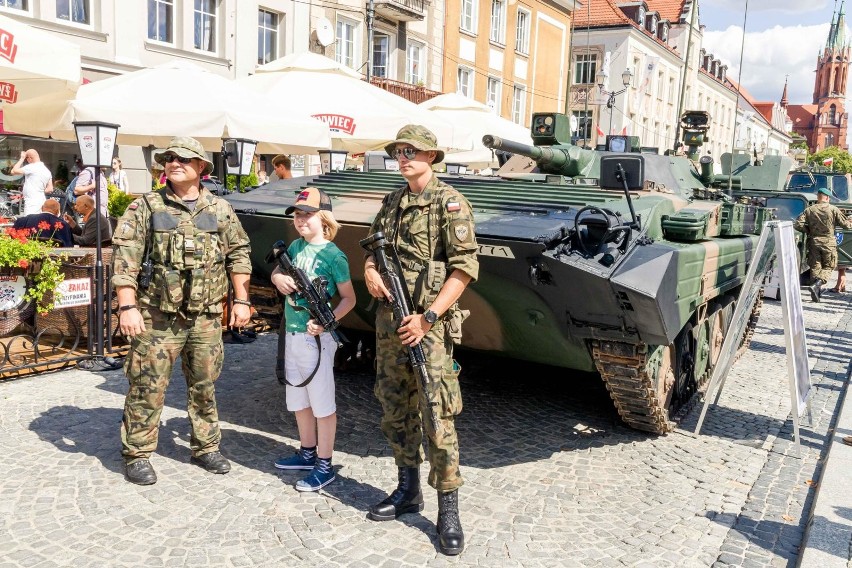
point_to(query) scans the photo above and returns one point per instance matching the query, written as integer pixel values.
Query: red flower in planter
(24, 263)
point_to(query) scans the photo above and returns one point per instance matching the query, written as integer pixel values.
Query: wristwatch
(430, 316)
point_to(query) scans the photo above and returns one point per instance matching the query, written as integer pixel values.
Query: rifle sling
(314, 372)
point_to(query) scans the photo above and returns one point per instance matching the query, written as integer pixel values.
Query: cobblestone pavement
(552, 477)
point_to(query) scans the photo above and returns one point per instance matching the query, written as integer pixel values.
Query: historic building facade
(824, 122)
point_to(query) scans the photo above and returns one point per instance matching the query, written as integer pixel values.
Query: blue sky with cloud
(783, 37)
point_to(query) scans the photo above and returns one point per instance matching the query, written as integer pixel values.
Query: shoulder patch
(133, 206)
(453, 206)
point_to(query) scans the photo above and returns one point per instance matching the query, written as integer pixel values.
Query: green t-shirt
(315, 260)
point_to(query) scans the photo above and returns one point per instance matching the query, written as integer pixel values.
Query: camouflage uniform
(818, 222)
(192, 251)
(436, 224)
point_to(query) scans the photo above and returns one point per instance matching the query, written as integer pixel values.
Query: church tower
(830, 119)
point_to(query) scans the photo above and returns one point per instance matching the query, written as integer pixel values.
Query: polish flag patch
(453, 206)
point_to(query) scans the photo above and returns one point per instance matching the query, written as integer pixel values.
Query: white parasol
(175, 99)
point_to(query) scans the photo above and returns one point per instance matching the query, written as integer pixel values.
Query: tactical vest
(189, 263)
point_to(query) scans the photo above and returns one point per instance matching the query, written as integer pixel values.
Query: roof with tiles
(602, 13)
(801, 115)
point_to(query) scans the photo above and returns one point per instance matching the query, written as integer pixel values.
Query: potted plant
(31, 252)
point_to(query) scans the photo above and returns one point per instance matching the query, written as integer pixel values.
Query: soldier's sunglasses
(408, 152)
(169, 158)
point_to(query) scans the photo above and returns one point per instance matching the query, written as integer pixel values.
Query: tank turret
(552, 153)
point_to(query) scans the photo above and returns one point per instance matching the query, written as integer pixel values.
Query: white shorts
(300, 359)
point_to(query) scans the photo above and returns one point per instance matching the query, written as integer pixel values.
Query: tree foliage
(842, 159)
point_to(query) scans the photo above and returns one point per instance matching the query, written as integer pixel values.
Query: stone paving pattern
(552, 477)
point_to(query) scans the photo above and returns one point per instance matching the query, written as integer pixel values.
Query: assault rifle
(390, 269)
(315, 293)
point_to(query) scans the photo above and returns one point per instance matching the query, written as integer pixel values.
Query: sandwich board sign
(776, 241)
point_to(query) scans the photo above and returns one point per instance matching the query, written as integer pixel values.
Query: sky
(783, 37)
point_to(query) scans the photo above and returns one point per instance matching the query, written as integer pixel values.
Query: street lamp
(332, 160)
(626, 77)
(239, 155)
(97, 144)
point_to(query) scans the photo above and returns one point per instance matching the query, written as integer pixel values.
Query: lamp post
(97, 144)
(626, 77)
(239, 154)
(332, 160)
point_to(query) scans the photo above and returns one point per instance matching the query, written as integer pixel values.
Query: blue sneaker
(316, 480)
(297, 461)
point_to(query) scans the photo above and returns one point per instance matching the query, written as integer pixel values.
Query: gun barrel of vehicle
(565, 159)
(497, 143)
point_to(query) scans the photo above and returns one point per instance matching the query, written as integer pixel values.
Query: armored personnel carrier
(624, 264)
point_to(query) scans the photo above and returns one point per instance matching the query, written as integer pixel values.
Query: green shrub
(118, 201)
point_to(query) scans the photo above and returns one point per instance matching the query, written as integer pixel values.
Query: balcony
(401, 10)
(409, 92)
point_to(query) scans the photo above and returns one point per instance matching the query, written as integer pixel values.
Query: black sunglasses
(169, 158)
(408, 152)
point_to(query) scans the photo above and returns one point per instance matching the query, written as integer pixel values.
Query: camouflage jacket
(192, 252)
(433, 232)
(820, 219)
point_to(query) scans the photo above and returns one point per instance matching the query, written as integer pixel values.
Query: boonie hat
(418, 136)
(311, 199)
(824, 191)
(185, 147)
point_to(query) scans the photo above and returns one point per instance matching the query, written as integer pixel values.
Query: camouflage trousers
(822, 257)
(148, 366)
(397, 389)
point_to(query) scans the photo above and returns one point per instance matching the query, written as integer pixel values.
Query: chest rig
(186, 250)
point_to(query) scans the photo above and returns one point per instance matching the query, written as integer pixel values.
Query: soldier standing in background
(192, 240)
(431, 225)
(818, 222)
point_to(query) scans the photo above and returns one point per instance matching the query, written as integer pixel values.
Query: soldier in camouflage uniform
(818, 222)
(173, 252)
(431, 225)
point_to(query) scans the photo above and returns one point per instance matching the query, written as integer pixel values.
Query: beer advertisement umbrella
(174, 99)
(35, 63)
(361, 116)
(480, 119)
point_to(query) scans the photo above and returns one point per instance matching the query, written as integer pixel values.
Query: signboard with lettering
(12, 290)
(337, 122)
(74, 292)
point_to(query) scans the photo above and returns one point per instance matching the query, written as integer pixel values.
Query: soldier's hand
(131, 322)
(412, 331)
(240, 315)
(375, 285)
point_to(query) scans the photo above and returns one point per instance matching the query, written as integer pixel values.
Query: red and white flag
(600, 132)
(828, 161)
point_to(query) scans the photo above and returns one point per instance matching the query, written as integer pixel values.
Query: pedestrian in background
(38, 181)
(193, 240)
(118, 177)
(432, 226)
(58, 230)
(88, 183)
(281, 167)
(309, 351)
(87, 235)
(818, 222)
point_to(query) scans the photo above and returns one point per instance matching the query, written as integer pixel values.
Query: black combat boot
(816, 290)
(140, 472)
(450, 534)
(406, 498)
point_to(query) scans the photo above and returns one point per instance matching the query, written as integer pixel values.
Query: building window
(469, 10)
(76, 11)
(205, 25)
(381, 51)
(498, 21)
(671, 89)
(492, 97)
(519, 104)
(832, 114)
(414, 60)
(267, 36)
(660, 85)
(161, 20)
(584, 125)
(344, 51)
(522, 32)
(585, 67)
(465, 83)
(16, 4)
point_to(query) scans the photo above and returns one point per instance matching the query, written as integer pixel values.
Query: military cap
(310, 199)
(185, 147)
(418, 136)
(824, 191)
